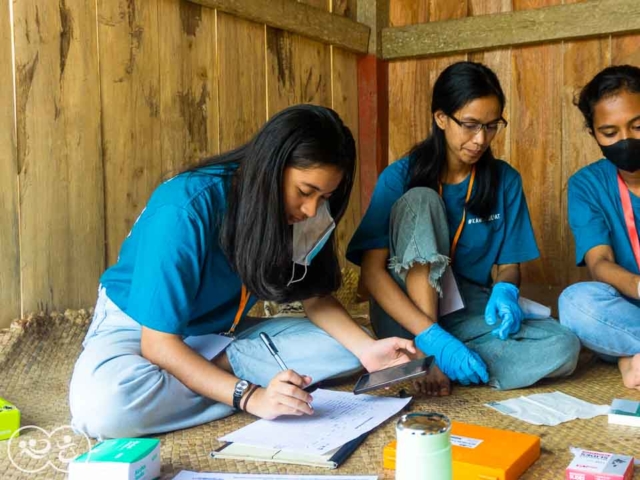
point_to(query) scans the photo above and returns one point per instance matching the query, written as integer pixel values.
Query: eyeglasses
(472, 128)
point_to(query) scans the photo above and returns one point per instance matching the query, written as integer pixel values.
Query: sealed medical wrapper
(119, 459)
(424, 447)
(590, 465)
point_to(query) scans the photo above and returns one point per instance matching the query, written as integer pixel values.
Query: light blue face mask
(309, 236)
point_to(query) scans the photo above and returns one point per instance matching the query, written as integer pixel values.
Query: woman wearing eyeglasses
(450, 201)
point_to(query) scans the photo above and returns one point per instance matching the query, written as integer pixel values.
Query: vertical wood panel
(625, 50)
(130, 83)
(9, 240)
(409, 116)
(500, 62)
(536, 145)
(345, 103)
(411, 81)
(582, 60)
(188, 93)
(298, 69)
(59, 160)
(241, 77)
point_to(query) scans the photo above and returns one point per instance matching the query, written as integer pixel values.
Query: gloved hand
(503, 304)
(452, 356)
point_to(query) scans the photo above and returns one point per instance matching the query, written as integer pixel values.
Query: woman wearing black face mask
(604, 214)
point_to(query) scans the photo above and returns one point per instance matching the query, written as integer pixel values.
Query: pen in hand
(274, 353)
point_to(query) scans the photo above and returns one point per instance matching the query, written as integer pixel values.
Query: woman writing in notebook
(451, 200)
(604, 215)
(256, 222)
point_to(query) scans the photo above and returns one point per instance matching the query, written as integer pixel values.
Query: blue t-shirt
(171, 274)
(596, 216)
(504, 237)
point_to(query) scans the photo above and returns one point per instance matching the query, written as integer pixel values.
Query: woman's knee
(101, 404)
(103, 413)
(422, 196)
(581, 303)
(568, 350)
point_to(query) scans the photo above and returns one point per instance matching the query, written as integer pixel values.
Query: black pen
(273, 350)
(274, 353)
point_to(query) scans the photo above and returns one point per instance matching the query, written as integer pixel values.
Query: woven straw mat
(37, 357)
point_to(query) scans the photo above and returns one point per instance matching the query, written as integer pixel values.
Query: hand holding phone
(392, 375)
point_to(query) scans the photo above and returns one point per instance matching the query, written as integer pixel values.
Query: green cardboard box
(119, 459)
(9, 419)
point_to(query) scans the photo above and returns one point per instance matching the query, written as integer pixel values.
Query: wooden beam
(299, 18)
(375, 15)
(562, 22)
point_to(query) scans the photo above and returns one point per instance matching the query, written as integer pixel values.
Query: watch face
(243, 384)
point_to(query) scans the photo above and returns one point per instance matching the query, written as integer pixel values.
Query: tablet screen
(392, 375)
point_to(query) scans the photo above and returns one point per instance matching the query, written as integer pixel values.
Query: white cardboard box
(119, 459)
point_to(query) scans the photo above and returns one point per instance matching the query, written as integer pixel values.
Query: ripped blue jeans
(419, 233)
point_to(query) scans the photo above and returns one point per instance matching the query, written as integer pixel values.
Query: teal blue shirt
(171, 274)
(596, 216)
(504, 237)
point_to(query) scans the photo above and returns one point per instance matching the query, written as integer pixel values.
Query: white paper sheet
(338, 418)
(187, 475)
(451, 300)
(209, 346)
(548, 408)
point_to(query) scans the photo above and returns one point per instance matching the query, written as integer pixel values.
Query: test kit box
(9, 419)
(119, 459)
(482, 452)
(589, 465)
(625, 412)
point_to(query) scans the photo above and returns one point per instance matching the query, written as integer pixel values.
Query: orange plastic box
(484, 453)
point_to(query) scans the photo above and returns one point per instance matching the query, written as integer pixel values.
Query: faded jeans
(542, 348)
(603, 319)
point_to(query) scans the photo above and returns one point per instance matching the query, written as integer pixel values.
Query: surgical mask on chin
(309, 236)
(624, 154)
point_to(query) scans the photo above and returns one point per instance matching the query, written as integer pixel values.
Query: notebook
(482, 452)
(332, 459)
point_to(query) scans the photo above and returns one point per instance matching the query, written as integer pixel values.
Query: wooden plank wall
(546, 140)
(9, 239)
(111, 98)
(59, 153)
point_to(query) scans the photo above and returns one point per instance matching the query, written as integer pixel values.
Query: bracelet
(247, 396)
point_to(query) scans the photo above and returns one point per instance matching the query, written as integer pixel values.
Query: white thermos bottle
(423, 450)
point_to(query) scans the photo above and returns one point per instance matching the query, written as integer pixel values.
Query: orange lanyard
(244, 298)
(625, 198)
(456, 237)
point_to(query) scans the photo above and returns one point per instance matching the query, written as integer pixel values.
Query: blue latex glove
(452, 356)
(503, 305)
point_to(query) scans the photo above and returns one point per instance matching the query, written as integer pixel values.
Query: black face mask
(624, 154)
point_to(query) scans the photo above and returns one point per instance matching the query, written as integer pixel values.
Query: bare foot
(435, 384)
(630, 369)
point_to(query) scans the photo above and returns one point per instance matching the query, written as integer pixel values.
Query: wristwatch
(241, 387)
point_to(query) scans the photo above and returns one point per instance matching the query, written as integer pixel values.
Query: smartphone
(392, 375)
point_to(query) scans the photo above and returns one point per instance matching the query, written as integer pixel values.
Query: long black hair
(254, 234)
(456, 86)
(607, 82)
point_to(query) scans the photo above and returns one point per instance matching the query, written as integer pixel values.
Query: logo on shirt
(490, 218)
